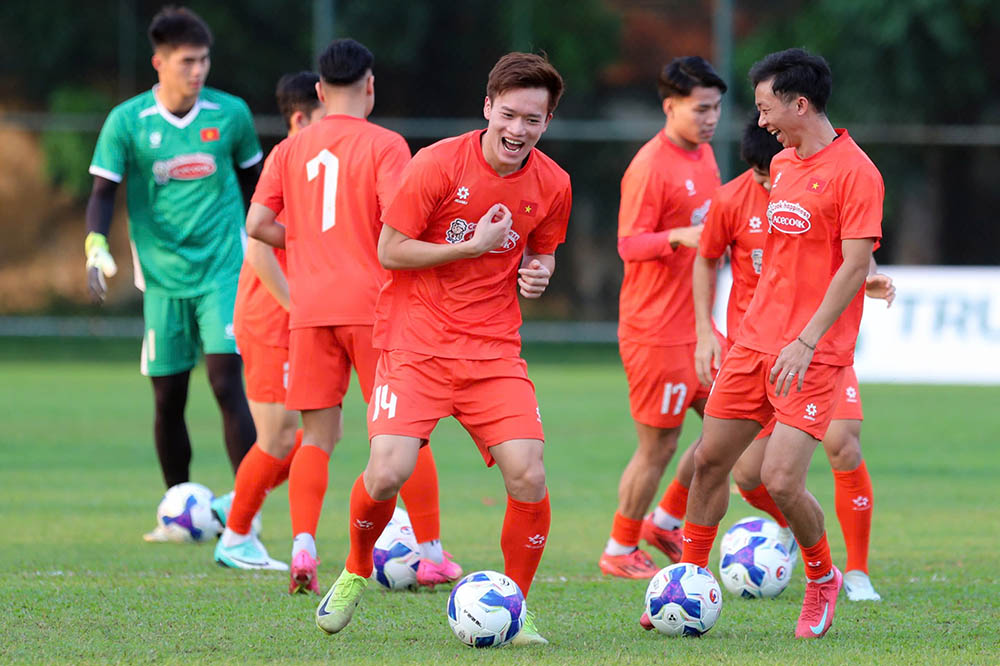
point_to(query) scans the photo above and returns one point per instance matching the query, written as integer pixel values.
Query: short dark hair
(682, 75)
(796, 72)
(344, 62)
(525, 70)
(296, 92)
(175, 26)
(758, 146)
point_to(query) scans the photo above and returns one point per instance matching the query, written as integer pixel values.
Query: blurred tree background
(914, 81)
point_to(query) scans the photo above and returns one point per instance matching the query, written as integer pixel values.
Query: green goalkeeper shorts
(178, 328)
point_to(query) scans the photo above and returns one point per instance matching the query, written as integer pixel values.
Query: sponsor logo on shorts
(810, 414)
(193, 166)
(788, 217)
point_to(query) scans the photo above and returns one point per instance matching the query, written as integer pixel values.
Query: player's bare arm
(685, 236)
(879, 285)
(397, 251)
(793, 361)
(100, 265)
(535, 272)
(263, 225)
(265, 264)
(708, 351)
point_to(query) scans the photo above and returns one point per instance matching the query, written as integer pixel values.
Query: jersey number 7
(326, 159)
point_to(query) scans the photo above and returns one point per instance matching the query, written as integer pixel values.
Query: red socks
(525, 531)
(626, 530)
(698, 541)
(254, 478)
(420, 495)
(817, 559)
(853, 499)
(759, 498)
(368, 518)
(307, 482)
(675, 500)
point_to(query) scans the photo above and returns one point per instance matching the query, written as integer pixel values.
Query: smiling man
(796, 341)
(186, 151)
(666, 193)
(477, 218)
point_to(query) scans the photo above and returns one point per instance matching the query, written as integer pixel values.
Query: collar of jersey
(181, 123)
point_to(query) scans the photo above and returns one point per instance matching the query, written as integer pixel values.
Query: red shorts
(493, 399)
(662, 382)
(743, 390)
(848, 407)
(266, 370)
(320, 360)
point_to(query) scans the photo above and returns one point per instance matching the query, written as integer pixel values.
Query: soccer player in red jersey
(330, 184)
(666, 193)
(260, 320)
(797, 338)
(477, 218)
(736, 225)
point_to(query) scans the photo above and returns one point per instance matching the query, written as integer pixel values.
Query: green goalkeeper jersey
(185, 207)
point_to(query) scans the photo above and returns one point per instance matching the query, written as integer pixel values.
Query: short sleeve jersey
(737, 220)
(185, 207)
(330, 184)
(257, 314)
(664, 187)
(815, 203)
(468, 308)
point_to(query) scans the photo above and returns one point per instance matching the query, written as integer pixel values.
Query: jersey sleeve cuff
(246, 164)
(105, 173)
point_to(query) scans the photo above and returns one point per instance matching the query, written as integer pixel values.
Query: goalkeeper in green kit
(188, 154)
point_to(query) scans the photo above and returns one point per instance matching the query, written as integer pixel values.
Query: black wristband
(812, 347)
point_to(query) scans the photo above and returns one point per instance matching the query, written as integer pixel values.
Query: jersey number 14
(332, 167)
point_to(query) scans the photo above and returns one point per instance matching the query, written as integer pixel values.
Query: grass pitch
(79, 485)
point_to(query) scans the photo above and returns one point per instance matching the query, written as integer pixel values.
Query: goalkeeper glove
(100, 263)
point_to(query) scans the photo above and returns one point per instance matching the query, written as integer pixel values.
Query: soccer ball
(185, 512)
(750, 526)
(396, 554)
(683, 600)
(755, 567)
(486, 609)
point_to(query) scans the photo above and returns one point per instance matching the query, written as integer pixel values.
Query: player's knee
(708, 462)
(846, 455)
(528, 482)
(383, 481)
(745, 478)
(781, 485)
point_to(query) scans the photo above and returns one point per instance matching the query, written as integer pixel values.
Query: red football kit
(449, 333)
(664, 187)
(260, 325)
(814, 204)
(330, 183)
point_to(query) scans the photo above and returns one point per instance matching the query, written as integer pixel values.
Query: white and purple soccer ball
(486, 609)
(749, 526)
(185, 513)
(683, 600)
(396, 554)
(755, 566)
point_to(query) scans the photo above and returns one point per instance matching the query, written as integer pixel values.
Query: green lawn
(79, 485)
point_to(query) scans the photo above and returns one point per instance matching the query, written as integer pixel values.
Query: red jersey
(330, 183)
(664, 187)
(257, 314)
(815, 203)
(467, 309)
(737, 221)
